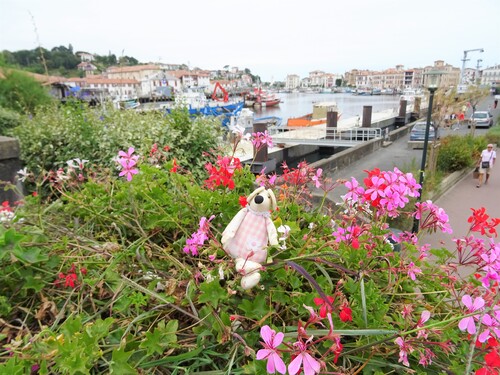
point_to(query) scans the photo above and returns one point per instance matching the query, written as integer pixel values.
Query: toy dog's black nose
(259, 199)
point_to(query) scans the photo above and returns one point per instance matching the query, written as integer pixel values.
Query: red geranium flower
(326, 306)
(345, 313)
(243, 201)
(480, 223)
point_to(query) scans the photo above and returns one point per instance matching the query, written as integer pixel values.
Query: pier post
(416, 106)
(401, 119)
(331, 124)
(260, 154)
(367, 116)
(402, 108)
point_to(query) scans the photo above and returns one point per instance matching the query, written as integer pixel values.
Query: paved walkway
(459, 200)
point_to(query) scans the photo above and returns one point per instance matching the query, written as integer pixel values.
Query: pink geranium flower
(413, 270)
(303, 359)
(271, 342)
(468, 323)
(128, 169)
(404, 350)
(128, 155)
(316, 178)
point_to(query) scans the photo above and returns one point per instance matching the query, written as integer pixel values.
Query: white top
(488, 156)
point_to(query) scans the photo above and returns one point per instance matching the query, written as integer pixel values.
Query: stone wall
(10, 163)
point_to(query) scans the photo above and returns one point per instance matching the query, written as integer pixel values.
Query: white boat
(245, 119)
(126, 103)
(409, 95)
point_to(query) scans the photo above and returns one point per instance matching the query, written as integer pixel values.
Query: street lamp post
(432, 85)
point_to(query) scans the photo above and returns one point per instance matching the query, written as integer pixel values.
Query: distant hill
(61, 61)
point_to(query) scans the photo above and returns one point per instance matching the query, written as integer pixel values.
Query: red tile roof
(101, 80)
(135, 68)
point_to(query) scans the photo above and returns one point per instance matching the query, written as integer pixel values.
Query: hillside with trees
(59, 61)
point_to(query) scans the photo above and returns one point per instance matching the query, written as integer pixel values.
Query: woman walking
(485, 164)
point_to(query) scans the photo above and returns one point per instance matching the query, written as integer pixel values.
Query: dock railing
(323, 136)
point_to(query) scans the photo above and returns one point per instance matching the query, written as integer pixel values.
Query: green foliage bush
(457, 153)
(493, 135)
(58, 134)
(22, 93)
(8, 119)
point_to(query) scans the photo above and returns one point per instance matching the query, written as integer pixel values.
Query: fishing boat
(260, 98)
(317, 117)
(197, 104)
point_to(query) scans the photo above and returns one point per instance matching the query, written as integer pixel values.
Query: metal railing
(324, 136)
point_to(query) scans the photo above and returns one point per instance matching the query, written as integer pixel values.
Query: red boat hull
(269, 103)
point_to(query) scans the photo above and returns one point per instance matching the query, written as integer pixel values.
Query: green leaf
(29, 255)
(119, 363)
(12, 367)
(71, 326)
(11, 237)
(170, 336)
(152, 342)
(73, 359)
(212, 292)
(254, 309)
(34, 283)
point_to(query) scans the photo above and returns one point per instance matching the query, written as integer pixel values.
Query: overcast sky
(272, 38)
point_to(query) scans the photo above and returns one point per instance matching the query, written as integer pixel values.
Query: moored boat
(197, 104)
(261, 98)
(362, 91)
(126, 103)
(409, 95)
(317, 117)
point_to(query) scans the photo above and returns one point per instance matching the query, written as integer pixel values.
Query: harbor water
(350, 106)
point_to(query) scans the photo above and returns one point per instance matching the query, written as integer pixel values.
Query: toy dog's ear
(274, 205)
(254, 193)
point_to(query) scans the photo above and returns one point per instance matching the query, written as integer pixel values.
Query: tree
(450, 102)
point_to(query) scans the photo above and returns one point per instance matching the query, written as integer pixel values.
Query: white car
(482, 119)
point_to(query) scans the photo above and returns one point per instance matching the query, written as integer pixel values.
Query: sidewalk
(459, 200)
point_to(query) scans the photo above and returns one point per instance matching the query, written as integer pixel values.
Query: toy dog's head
(262, 200)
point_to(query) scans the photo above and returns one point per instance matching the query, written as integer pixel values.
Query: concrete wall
(10, 163)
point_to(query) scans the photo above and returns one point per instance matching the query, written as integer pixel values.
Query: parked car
(482, 119)
(417, 133)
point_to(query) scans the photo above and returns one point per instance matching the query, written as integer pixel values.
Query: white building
(316, 77)
(109, 87)
(192, 78)
(491, 76)
(292, 82)
(159, 84)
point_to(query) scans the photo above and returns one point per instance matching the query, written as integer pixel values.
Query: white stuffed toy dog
(247, 235)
